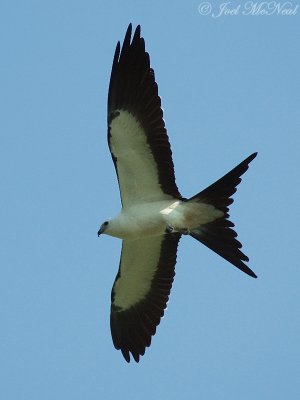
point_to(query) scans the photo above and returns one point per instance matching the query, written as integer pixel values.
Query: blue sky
(229, 86)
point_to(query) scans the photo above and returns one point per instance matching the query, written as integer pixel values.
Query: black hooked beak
(101, 230)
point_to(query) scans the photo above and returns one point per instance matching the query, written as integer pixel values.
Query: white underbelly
(152, 219)
(142, 220)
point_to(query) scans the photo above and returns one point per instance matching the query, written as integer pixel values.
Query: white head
(112, 227)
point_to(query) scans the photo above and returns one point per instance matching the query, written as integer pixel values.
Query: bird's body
(153, 218)
(154, 215)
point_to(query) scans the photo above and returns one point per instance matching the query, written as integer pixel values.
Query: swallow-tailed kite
(154, 215)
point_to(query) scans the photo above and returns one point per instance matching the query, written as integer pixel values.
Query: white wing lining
(139, 262)
(136, 166)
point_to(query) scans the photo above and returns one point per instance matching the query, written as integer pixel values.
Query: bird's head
(103, 228)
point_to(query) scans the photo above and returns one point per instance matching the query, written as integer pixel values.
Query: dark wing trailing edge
(133, 90)
(219, 235)
(138, 304)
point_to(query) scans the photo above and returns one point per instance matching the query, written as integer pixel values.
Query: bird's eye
(105, 223)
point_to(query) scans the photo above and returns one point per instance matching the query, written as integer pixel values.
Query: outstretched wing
(141, 291)
(137, 136)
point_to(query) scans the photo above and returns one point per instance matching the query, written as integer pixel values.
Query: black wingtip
(129, 30)
(250, 158)
(137, 32)
(136, 35)
(126, 355)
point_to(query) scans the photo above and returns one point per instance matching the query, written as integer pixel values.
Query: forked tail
(219, 235)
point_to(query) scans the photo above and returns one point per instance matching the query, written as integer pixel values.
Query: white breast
(142, 220)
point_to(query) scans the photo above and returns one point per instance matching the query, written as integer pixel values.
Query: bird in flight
(154, 215)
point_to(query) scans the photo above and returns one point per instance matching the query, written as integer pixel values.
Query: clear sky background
(229, 86)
